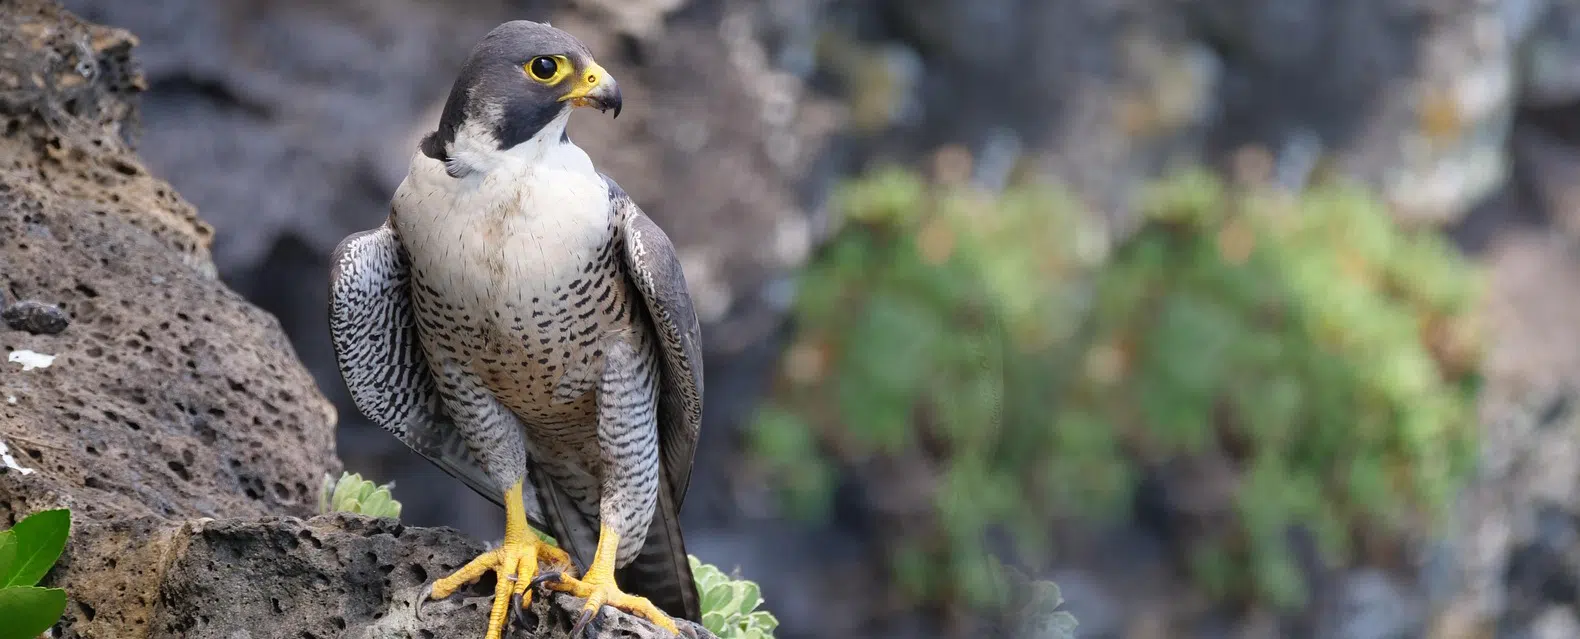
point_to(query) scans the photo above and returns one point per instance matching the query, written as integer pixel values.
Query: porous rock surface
(171, 416)
(344, 576)
(168, 396)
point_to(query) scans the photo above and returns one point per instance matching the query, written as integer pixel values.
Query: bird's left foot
(515, 562)
(599, 589)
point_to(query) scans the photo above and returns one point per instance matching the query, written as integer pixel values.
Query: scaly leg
(515, 562)
(599, 589)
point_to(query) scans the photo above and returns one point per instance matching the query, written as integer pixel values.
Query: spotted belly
(543, 363)
(536, 346)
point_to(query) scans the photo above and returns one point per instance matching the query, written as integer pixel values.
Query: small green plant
(353, 494)
(729, 605)
(1031, 607)
(1041, 618)
(27, 551)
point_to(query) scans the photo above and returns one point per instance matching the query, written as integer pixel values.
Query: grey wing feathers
(374, 330)
(655, 269)
(661, 571)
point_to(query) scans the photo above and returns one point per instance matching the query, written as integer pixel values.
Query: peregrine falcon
(519, 322)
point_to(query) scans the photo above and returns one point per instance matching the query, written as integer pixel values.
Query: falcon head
(519, 80)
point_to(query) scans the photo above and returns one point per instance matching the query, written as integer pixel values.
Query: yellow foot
(603, 592)
(515, 564)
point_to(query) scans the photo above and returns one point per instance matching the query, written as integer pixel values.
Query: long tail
(576, 533)
(661, 571)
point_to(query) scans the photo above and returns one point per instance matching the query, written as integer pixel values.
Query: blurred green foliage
(1322, 355)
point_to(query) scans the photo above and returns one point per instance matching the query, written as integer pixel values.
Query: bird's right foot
(598, 587)
(515, 564)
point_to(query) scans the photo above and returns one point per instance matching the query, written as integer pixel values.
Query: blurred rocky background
(288, 124)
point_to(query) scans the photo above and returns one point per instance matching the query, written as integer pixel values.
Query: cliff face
(327, 97)
(170, 415)
(168, 396)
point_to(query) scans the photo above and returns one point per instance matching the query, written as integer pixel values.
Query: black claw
(545, 577)
(512, 610)
(422, 597)
(580, 628)
(520, 618)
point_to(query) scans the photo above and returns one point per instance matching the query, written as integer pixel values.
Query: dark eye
(543, 67)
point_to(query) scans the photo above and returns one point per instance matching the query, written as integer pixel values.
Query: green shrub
(915, 327)
(27, 552)
(1324, 356)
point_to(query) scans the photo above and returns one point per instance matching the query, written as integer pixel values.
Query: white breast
(526, 222)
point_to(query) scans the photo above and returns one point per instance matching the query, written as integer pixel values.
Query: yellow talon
(599, 589)
(515, 563)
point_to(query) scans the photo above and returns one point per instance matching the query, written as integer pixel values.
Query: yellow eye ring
(548, 69)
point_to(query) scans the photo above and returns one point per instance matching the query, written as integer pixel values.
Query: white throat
(475, 150)
(517, 223)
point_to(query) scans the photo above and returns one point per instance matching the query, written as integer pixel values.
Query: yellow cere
(591, 77)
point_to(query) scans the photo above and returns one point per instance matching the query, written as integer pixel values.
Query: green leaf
(751, 597)
(717, 598)
(345, 489)
(29, 611)
(347, 504)
(7, 553)
(765, 620)
(40, 538)
(377, 504)
(542, 536)
(365, 490)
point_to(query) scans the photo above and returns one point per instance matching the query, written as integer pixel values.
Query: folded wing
(662, 571)
(374, 329)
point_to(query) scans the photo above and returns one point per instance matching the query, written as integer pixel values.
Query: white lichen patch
(10, 462)
(31, 360)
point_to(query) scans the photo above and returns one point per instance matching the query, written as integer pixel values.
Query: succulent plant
(353, 494)
(729, 605)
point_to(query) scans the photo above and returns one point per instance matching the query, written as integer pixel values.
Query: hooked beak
(595, 88)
